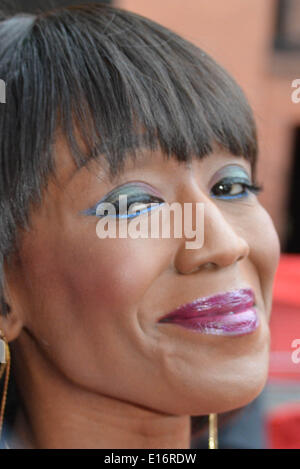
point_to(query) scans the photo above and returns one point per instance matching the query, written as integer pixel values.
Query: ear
(11, 323)
(11, 319)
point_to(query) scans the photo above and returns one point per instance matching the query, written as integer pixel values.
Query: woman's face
(93, 304)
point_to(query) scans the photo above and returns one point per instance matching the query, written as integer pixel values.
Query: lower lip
(227, 324)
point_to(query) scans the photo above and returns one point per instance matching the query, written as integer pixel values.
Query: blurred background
(258, 42)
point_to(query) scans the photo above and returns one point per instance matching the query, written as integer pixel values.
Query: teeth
(231, 312)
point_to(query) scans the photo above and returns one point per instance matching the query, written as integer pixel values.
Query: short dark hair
(120, 80)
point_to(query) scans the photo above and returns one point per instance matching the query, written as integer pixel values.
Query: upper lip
(221, 303)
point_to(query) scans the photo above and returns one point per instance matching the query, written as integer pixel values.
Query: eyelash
(247, 187)
(133, 200)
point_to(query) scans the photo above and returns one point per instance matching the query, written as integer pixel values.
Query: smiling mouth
(230, 313)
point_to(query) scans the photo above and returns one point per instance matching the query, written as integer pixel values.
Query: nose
(223, 244)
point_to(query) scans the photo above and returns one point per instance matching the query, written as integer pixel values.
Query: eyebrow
(102, 173)
(138, 158)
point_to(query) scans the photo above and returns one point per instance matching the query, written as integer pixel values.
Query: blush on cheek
(113, 275)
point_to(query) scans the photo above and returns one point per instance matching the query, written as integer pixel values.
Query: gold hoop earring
(4, 366)
(213, 431)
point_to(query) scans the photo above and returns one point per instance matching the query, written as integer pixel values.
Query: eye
(137, 208)
(135, 205)
(233, 188)
(128, 201)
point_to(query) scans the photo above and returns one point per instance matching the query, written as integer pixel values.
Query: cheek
(264, 252)
(109, 274)
(71, 270)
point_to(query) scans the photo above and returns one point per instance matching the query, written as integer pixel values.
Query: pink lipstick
(231, 313)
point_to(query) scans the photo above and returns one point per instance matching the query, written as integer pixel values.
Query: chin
(244, 396)
(230, 398)
(229, 393)
(235, 391)
(223, 391)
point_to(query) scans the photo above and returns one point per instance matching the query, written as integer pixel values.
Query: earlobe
(11, 315)
(10, 321)
(4, 308)
(11, 325)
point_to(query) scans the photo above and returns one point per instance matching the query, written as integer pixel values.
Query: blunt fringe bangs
(120, 83)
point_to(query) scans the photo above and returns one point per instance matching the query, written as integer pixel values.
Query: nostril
(240, 258)
(209, 265)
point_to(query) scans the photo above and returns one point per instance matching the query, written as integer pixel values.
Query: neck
(56, 413)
